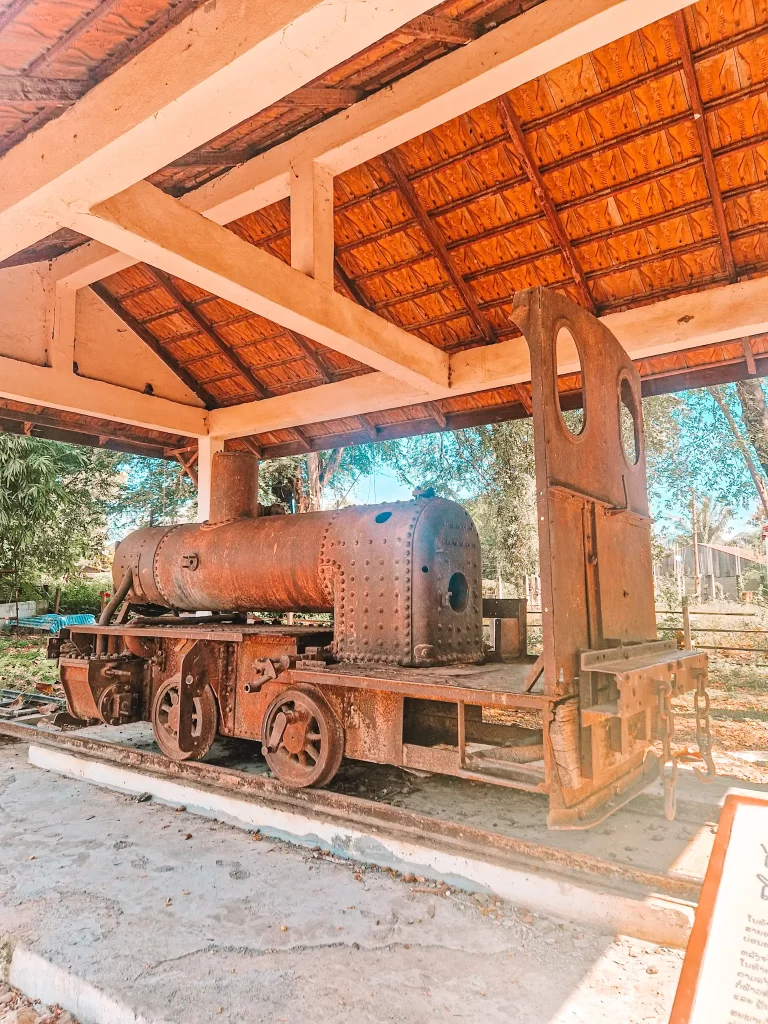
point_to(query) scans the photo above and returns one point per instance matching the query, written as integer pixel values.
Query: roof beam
(395, 167)
(143, 117)
(516, 52)
(57, 389)
(694, 98)
(152, 343)
(683, 322)
(159, 230)
(520, 144)
(520, 50)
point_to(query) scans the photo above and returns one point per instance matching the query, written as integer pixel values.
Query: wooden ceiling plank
(694, 98)
(14, 8)
(440, 29)
(511, 123)
(202, 73)
(42, 91)
(394, 165)
(328, 97)
(69, 37)
(152, 343)
(209, 331)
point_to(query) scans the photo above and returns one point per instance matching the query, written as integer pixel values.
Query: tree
(306, 483)
(153, 492)
(53, 508)
(490, 470)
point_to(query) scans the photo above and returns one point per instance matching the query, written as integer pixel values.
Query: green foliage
(490, 470)
(52, 508)
(82, 594)
(23, 662)
(152, 492)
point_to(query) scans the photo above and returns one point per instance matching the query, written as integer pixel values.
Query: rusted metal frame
(511, 123)
(76, 30)
(339, 806)
(694, 98)
(152, 343)
(209, 331)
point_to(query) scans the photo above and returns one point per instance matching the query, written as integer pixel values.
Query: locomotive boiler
(203, 636)
(402, 580)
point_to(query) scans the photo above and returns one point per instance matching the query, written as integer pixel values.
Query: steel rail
(461, 839)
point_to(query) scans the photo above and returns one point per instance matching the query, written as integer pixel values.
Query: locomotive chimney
(234, 487)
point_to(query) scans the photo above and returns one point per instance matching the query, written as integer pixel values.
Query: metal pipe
(117, 598)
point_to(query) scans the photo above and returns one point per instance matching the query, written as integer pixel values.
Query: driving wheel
(303, 739)
(165, 721)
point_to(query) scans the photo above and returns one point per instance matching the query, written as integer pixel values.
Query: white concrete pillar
(206, 448)
(312, 220)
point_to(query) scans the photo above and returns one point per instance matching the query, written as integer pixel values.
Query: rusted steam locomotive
(398, 671)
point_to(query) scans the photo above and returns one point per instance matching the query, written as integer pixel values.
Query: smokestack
(234, 487)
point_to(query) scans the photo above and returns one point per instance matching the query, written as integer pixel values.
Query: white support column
(62, 352)
(312, 220)
(207, 447)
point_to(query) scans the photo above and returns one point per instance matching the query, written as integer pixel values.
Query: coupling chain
(703, 730)
(667, 734)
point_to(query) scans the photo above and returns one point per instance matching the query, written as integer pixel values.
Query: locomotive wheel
(165, 722)
(303, 739)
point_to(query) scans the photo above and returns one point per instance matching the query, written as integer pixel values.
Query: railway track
(372, 817)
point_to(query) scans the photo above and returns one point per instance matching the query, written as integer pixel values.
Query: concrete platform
(139, 913)
(642, 873)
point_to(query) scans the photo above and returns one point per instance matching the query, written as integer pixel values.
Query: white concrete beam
(688, 321)
(225, 62)
(312, 243)
(538, 41)
(154, 227)
(58, 389)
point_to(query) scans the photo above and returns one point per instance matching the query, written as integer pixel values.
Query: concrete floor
(637, 835)
(189, 921)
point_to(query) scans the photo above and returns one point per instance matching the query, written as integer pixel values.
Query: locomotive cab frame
(397, 672)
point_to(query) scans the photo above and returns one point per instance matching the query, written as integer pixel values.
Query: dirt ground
(16, 1008)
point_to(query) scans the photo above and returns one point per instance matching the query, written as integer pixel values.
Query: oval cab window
(567, 356)
(630, 428)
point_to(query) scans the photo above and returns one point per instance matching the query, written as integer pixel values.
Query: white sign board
(725, 975)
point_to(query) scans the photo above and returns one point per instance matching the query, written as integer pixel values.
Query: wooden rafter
(152, 343)
(694, 98)
(76, 30)
(209, 332)
(512, 124)
(42, 91)
(434, 28)
(395, 167)
(188, 462)
(14, 8)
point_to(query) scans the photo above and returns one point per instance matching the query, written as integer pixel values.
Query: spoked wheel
(303, 739)
(165, 722)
